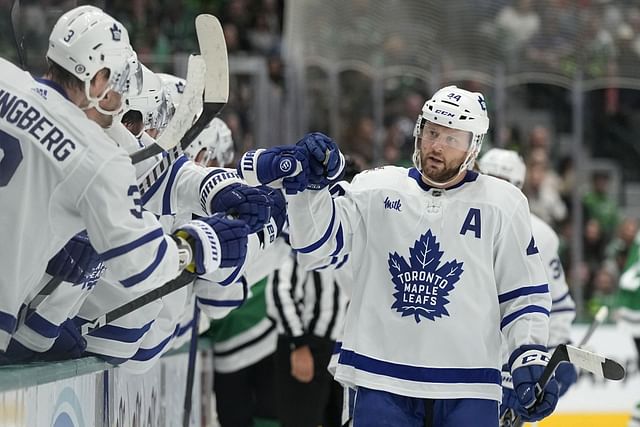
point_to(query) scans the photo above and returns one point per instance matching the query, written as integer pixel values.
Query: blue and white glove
(509, 398)
(249, 204)
(278, 218)
(326, 162)
(217, 242)
(279, 208)
(278, 167)
(566, 376)
(527, 364)
(77, 262)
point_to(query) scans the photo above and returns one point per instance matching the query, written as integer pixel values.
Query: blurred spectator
(604, 290)
(599, 204)
(359, 140)
(542, 190)
(617, 251)
(399, 143)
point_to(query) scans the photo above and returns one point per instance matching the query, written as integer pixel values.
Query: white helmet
(84, 41)
(174, 87)
(216, 139)
(454, 108)
(152, 102)
(504, 164)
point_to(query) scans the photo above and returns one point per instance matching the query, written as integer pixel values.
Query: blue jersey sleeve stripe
(337, 347)
(341, 263)
(144, 274)
(339, 240)
(146, 354)
(232, 278)
(7, 322)
(220, 302)
(312, 247)
(183, 329)
(523, 311)
(121, 250)
(166, 197)
(521, 292)
(562, 310)
(419, 373)
(42, 326)
(121, 334)
(555, 301)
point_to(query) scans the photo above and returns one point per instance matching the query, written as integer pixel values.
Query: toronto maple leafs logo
(422, 285)
(116, 33)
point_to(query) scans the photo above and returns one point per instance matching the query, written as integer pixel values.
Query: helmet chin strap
(94, 102)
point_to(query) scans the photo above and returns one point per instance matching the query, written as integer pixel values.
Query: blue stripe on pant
(375, 408)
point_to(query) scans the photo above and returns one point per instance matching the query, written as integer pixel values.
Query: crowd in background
(530, 34)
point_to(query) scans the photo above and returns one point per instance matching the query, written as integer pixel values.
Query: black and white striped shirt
(306, 303)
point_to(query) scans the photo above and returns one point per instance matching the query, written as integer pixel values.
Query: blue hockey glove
(278, 167)
(509, 398)
(527, 364)
(566, 376)
(249, 204)
(274, 227)
(279, 208)
(69, 345)
(326, 162)
(17, 353)
(77, 262)
(216, 241)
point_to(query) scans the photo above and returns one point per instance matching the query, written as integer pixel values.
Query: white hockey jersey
(439, 274)
(60, 174)
(563, 309)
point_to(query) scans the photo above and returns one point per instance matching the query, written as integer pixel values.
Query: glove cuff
(209, 244)
(248, 167)
(268, 234)
(528, 355)
(213, 183)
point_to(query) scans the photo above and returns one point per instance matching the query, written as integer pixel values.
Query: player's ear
(99, 82)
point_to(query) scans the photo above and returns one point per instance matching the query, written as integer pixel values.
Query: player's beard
(438, 169)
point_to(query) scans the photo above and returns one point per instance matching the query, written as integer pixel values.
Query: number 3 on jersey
(10, 157)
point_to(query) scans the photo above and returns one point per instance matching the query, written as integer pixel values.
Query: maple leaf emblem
(423, 285)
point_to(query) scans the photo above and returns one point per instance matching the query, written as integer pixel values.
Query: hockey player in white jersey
(57, 162)
(508, 165)
(445, 264)
(185, 189)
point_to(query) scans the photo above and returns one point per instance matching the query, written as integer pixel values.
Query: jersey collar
(470, 176)
(53, 85)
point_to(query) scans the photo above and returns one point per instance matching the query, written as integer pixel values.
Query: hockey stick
(15, 29)
(213, 50)
(510, 418)
(583, 359)
(191, 366)
(181, 281)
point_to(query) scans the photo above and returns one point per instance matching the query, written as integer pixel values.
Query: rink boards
(104, 397)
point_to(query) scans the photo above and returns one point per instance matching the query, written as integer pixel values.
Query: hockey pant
(374, 408)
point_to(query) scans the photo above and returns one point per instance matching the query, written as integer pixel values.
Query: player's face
(442, 151)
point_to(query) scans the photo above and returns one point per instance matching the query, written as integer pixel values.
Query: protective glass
(129, 78)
